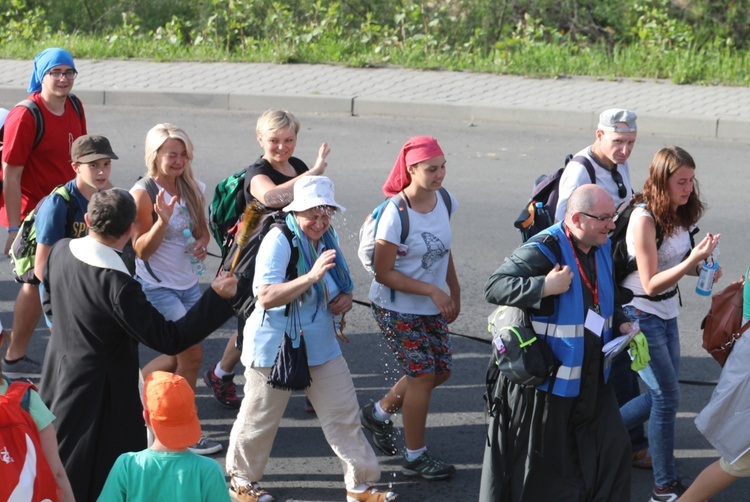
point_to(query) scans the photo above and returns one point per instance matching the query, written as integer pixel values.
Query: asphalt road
(490, 171)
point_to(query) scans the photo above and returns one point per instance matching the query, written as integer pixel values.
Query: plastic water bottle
(541, 215)
(198, 267)
(708, 270)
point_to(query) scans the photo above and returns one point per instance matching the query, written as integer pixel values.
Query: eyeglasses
(601, 218)
(622, 190)
(59, 74)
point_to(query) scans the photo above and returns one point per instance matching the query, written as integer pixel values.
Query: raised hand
(163, 209)
(320, 163)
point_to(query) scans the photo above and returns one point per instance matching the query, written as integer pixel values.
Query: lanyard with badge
(594, 321)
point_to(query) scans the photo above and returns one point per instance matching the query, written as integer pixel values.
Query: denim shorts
(420, 342)
(173, 304)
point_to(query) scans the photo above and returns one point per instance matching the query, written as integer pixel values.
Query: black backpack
(243, 302)
(539, 212)
(625, 265)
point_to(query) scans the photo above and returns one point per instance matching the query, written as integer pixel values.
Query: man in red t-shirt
(30, 173)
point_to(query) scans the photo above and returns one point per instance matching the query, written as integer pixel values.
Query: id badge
(594, 322)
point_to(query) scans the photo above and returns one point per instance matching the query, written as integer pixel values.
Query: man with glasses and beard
(615, 138)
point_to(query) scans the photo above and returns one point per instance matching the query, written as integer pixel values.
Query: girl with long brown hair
(659, 239)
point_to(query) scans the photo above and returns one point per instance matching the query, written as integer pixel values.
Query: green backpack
(226, 208)
(23, 249)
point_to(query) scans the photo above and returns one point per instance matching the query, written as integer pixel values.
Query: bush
(675, 39)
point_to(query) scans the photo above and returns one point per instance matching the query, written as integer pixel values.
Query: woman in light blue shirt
(321, 290)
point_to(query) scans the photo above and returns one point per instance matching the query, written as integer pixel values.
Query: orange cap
(170, 403)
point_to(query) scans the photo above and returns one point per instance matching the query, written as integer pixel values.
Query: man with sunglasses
(615, 138)
(32, 168)
(564, 439)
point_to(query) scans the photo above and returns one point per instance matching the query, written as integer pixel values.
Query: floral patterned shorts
(420, 342)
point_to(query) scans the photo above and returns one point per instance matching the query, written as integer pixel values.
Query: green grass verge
(540, 60)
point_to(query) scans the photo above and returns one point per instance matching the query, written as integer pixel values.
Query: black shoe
(428, 467)
(669, 493)
(24, 367)
(382, 431)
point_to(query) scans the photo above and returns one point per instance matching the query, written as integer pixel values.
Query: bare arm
(276, 295)
(453, 286)
(646, 256)
(387, 275)
(278, 196)
(48, 439)
(147, 233)
(271, 195)
(40, 259)
(12, 195)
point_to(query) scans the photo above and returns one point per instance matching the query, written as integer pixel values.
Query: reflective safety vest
(564, 328)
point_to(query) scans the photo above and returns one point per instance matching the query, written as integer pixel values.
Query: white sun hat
(313, 191)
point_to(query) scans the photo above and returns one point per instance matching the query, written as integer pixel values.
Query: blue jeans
(625, 383)
(658, 405)
(173, 304)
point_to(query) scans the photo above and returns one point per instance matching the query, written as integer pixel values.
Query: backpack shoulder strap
(403, 215)
(585, 162)
(33, 108)
(148, 183)
(291, 268)
(62, 191)
(692, 233)
(19, 393)
(76, 104)
(71, 206)
(152, 189)
(547, 244)
(660, 231)
(446, 200)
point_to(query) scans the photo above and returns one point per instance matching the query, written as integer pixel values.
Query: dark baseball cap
(91, 148)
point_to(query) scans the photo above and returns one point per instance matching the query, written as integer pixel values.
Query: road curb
(724, 128)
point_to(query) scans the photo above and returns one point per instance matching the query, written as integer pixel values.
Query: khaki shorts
(739, 469)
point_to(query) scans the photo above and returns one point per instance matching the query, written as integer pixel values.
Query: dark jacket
(541, 446)
(91, 370)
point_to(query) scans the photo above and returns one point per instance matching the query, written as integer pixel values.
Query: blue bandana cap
(44, 62)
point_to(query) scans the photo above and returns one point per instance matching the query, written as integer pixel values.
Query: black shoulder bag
(290, 370)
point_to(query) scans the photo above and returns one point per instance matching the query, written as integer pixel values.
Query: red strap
(17, 390)
(593, 288)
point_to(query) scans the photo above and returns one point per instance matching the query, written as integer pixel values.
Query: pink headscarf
(414, 151)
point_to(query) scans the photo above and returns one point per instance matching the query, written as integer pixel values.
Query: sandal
(372, 494)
